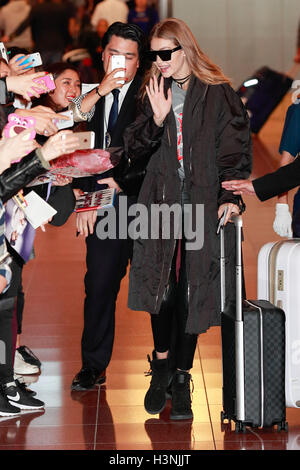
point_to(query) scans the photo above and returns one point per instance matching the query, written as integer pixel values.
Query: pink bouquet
(86, 162)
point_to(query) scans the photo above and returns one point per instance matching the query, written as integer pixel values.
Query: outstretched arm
(269, 185)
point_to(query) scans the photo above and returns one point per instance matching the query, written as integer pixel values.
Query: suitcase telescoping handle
(239, 328)
(238, 222)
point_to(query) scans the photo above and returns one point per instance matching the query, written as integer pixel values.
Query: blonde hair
(200, 64)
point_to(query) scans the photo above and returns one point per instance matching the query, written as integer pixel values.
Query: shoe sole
(181, 417)
(25, 372)
(79, 388)
(3, 414)
(26, 407)
(159, 411)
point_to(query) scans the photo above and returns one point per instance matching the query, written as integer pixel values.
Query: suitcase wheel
(283, 426)
(225, 426)
(240, 427)
(223, 416)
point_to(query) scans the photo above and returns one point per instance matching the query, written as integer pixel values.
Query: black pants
(106, 262)
(8, 302)
(6, 339)
(168, 327)
(16, 288)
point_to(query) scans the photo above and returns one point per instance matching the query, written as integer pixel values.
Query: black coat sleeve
(18, 175)
(141, 140)
(233, 143)
(285, 178)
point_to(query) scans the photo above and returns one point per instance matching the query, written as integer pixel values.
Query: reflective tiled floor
(113, 416)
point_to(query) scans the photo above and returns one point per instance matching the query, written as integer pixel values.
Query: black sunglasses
(163, 54)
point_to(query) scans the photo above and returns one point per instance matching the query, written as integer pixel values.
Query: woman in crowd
(201, 133)
(13, 395)
(58, 194)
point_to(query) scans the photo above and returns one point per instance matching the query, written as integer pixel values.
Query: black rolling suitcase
(253, 354)
(261, 93)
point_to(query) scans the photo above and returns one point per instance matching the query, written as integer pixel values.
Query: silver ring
(45, 132)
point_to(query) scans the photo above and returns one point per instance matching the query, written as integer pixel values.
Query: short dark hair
(126, 31)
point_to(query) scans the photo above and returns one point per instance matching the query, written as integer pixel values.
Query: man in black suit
(107, 259)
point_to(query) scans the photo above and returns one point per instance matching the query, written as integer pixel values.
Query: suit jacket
(126, 116)
(285, 178)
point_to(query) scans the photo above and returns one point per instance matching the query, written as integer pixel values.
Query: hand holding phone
(60, 144)
(33, 59)
(64, 123)
(86, 140)
(46, 82)
(24, 85)
(21, 63)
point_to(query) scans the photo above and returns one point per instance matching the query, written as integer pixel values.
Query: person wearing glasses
(200, 132)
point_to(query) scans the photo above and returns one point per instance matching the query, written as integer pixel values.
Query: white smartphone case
(64, 124)
(117, 62)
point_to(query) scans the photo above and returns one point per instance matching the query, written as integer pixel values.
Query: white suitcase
(278, 281)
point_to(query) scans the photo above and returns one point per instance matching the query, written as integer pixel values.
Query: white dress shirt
(108, 104)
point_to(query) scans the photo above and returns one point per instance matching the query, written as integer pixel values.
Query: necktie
(113, 115)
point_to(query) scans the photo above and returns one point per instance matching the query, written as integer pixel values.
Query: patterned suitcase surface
(264, 366)
(278, 280)
(253, 352)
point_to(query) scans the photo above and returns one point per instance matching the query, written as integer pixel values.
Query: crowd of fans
(72, 27)
(68, 35)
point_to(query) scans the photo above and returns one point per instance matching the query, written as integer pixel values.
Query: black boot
(156, 396)
(181, 396)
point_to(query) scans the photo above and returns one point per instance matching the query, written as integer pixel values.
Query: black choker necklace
(181, 81)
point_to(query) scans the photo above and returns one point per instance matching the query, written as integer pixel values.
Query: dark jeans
(168, 327)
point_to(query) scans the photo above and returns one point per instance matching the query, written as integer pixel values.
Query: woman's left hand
(232, 209)
(160, 104)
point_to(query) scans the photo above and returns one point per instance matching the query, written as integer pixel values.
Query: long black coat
(216, 147)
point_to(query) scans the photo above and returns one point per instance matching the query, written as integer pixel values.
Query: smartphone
(86, 140)
(34, 58)
(64, 124)
(47, 81)
(117, 62)
(3, 52)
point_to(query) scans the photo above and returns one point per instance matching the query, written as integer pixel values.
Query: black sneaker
(28, 356)
(18, 396)
(23, 385)
(6, 409)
